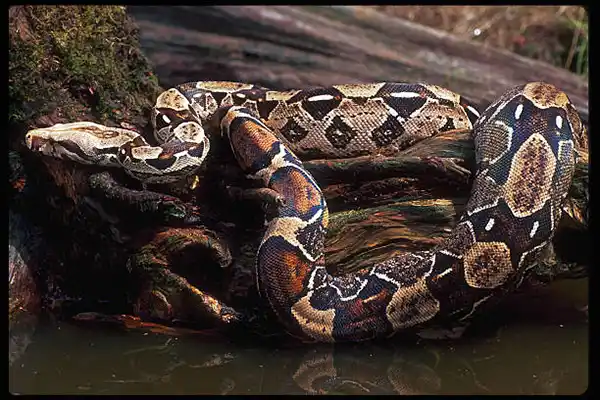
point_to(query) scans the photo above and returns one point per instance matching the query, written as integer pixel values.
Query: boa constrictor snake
(525, 154)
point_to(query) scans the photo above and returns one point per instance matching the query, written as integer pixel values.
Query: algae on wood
(77, 61)
(70, 63)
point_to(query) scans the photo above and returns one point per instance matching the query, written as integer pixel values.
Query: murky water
(536, 344)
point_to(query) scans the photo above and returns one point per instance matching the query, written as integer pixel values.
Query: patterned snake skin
(525, 153)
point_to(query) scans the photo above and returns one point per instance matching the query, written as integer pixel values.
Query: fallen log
(411, 204)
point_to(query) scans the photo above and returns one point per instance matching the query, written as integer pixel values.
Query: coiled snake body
(524, 145)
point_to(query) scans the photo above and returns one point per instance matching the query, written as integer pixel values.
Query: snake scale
(525, 153)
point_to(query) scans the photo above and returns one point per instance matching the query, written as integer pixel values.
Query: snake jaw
(84, 142)
(31, 141)
(36, 139)
(40, 141)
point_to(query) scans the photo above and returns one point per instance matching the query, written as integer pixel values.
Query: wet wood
(379, 205)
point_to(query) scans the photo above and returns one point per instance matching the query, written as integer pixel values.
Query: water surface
(534, 344)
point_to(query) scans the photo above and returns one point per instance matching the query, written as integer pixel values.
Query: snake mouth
(29, 141)
(39, 141)
(36, 140)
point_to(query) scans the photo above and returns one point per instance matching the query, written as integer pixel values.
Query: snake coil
(524, 145)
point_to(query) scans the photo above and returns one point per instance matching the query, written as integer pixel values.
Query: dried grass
(555, 34)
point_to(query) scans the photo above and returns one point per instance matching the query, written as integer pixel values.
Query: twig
(576, 34)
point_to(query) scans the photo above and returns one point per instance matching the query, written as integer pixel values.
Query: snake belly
(524, 146)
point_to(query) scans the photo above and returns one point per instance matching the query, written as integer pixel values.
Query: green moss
(60, 56)
(340, 219)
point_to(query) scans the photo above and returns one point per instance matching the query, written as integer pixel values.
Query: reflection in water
(541, 348)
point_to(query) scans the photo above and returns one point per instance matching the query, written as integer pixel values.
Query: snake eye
(162, 125)
(160, 120)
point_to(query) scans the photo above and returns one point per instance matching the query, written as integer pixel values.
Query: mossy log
(71, 63)
(68, 63)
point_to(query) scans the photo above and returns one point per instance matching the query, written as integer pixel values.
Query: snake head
(83, 142)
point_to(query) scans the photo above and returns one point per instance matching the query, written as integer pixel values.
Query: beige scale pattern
(535, 177)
